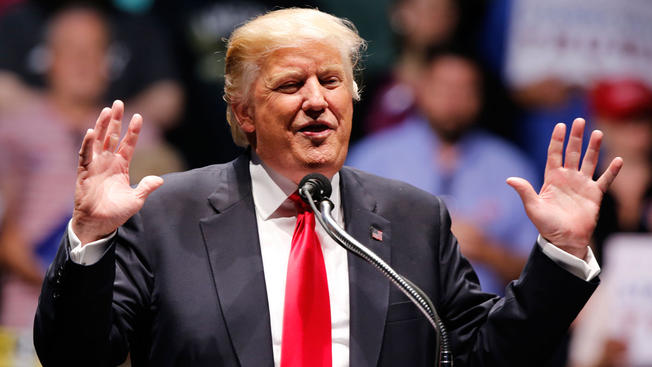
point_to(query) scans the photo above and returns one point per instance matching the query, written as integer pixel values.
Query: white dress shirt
(276, 218)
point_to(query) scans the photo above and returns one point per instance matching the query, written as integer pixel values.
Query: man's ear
(244, 116)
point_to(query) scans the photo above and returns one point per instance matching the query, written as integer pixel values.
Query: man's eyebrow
(332, 68)
(275, 78)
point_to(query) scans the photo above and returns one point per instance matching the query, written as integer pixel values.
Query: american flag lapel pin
(377, 234)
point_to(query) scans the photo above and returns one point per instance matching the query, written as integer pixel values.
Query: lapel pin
(377, 234)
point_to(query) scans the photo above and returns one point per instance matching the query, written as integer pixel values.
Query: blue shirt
(474, 190)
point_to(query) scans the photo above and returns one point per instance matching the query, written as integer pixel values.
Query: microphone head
(318, 186)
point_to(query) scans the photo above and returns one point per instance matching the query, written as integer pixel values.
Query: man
(35, 160)
(35, 154)
(441, 150)
(196, 277)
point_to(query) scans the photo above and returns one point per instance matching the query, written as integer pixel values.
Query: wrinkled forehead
(309, 58)
(317, 55)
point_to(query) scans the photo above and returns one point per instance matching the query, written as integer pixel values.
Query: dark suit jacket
(182, 284)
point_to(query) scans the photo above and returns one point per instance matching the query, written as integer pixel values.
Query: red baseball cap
(621, 99)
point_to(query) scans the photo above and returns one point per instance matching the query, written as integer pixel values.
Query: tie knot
(299, 203)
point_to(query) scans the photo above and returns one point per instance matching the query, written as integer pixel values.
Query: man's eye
(331, 81)
(289, 87)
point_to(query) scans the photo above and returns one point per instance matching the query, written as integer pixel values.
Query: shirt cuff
(91, 252)
(586, 269)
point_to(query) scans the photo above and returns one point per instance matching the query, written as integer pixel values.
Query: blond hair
(250, 43)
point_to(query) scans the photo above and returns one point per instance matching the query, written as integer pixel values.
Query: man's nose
(314, 99)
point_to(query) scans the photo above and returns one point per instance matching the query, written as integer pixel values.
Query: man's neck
(271, 189)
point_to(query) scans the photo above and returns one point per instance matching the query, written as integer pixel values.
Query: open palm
(104, 199)
(566, 209)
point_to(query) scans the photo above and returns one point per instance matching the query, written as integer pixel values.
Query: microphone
(317, 186)
(315, 189)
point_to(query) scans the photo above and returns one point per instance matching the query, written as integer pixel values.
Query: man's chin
(451, 136)
(324, 162)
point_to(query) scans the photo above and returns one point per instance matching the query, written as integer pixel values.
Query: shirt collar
(271, 191)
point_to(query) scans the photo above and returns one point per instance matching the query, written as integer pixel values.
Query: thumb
(524, 190)
(147, 185)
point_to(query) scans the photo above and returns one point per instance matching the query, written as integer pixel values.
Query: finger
(555, 148)
(111, 142)
(590, 160)
(86, 150)
(101, 126)
(128, 144)
(574, 147)
(113, 132)
(147, 185)
(524, 190)
(610, 174)
(117, 110)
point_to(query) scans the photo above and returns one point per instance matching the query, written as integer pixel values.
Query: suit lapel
(232, 244)
(368, 288)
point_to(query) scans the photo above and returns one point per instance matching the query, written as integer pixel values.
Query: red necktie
(307, 314)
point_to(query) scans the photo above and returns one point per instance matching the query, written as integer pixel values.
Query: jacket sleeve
(87, 314)
(521, 329)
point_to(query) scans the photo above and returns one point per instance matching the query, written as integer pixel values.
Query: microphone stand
(443, 356)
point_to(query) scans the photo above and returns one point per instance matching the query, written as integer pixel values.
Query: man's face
(425, 22)
(298, 118)
(450, 96)
(79, 48)
(627, 138)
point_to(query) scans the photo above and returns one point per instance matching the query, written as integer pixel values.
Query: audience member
(418, 25)
(141, 67)
(622, 109)
(542, 101)
(467, 166)
(36, 166)
(550, 53)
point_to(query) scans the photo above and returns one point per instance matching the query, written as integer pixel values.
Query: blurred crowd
(457, 96)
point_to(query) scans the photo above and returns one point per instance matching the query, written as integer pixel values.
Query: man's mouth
(314, 128)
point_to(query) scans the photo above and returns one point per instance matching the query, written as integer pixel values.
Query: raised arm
(104, 200)
(83, 318)
(566, 209)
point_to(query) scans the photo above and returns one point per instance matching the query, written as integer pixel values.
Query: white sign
(579, 41)
(628, 274)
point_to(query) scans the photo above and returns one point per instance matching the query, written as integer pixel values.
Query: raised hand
(566, 209)
(104, 200)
